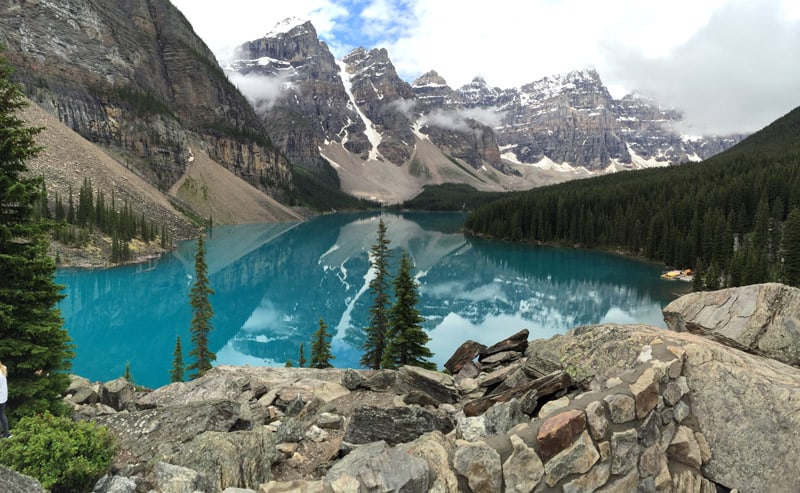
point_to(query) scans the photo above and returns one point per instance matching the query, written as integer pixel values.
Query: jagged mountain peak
(552, 85)
(292, 25)
(430, 78)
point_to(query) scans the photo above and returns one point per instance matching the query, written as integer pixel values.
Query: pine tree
(178, 370)
(201, 320)
(790, 247)
(406, 341)
(33, 343)
(301, 358)
(321, 348)
(127, 375)
(375, 342)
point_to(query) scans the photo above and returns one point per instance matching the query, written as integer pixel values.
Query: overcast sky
(730, 65)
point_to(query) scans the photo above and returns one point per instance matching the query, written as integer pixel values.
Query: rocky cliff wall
(133, 76)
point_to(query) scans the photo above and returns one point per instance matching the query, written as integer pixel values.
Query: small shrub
(64, 455)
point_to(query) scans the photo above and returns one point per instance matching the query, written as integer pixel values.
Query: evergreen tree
(178, 370)
(321, 348)
(201, 320)
(127, 375)
(406, 341)
(33, 342)
(790, 247)
(375, 342)
(301, 358)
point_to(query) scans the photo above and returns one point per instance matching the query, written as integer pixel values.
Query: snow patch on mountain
(373, 136)
(286, 25)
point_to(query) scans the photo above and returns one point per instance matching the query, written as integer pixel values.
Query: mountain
(291, 121)
(729, 218)
(360, 117)
(573, 119)
(133, 78)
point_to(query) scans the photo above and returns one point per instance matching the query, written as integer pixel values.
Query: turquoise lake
(274, 282)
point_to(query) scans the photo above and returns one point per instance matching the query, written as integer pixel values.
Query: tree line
(76, 222)
(734, 218)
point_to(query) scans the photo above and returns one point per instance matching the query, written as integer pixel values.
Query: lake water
(274, 282)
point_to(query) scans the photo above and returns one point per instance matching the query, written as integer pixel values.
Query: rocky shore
(608, 408)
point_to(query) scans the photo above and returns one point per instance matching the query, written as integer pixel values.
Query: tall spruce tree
(201, 320)
(790, 247)
(178, 370)
(33, 343)
(320, 348)
(406, 339)
(375, 342)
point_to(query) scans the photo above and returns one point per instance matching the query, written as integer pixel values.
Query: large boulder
(150, 434)
(394, 425)
(761, 318)
(745, 406)
(13, 482)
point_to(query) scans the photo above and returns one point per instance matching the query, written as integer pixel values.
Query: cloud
(404, 106)
(738, 73)
(260, 90)
(457, 120)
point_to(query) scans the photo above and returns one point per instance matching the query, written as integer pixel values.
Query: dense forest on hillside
(449, 197)
(728, 217)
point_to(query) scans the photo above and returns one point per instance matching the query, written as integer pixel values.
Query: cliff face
(133, 76)
(297, 92)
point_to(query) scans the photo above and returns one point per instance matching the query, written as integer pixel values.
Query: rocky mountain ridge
(135, 80)
(601, 408)
(566, 123)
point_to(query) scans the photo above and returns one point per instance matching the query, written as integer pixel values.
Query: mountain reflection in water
(274, 282)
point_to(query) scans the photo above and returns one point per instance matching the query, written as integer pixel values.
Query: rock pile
(602, 408)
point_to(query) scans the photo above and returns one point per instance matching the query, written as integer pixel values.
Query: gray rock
(85, 395)
(76, 383)
(725, 387)
(296, 486)
(395, 470)
(479, 464)
(516, 343)
(621, 408)
(436, 449)
(471, 428)
(589, 482)
(624, 451)
(115, 484)
(465, 354)
(381, 380)
(393, 425)
(119, 394)
(352, 463)
(169, 478)
(684, 448)
(439, 386)
(146, 435)
(240, 458)
(329, 421)
(760, 318)
(681, 411)
(576, 459)
(625, 484)
(596, 419)
(503, 416)
(351, 379)
(13, 482)
(523, 470)
(500, 358)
